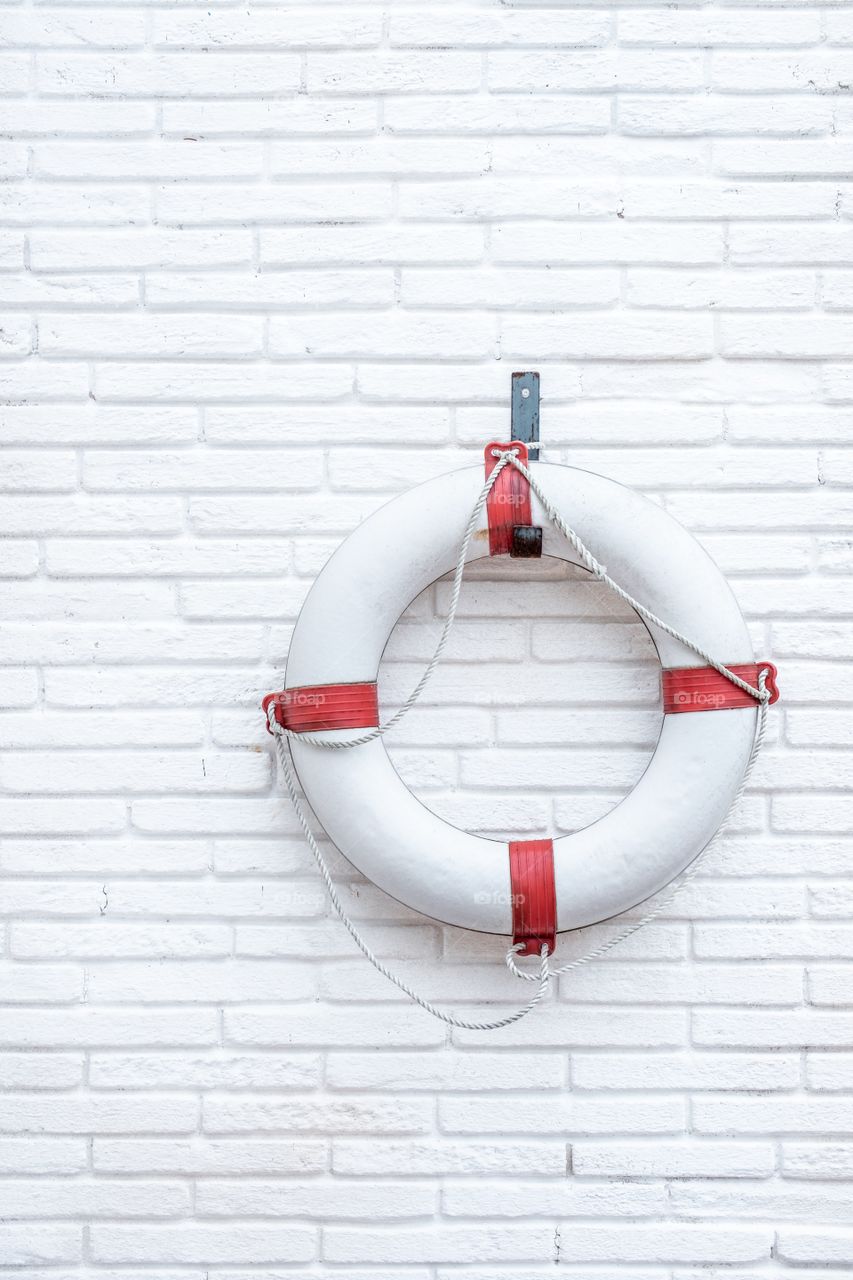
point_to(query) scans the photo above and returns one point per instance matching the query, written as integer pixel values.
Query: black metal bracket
(526, 538)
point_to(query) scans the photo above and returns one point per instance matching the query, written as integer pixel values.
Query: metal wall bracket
(526, 538)
(525, 411)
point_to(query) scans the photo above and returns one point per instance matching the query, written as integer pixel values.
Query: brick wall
(263, 268)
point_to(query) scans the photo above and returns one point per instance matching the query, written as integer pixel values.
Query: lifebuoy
(467, 880)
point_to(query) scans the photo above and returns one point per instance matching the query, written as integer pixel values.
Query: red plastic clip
(705, 689)
(508, 503)
(312, 708)
(534, 896)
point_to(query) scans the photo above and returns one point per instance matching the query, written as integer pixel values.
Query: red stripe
(313, 707)
(704, 689)
(534, 896)
(508, 502)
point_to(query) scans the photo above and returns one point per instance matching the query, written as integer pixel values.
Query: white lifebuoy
(462, 879)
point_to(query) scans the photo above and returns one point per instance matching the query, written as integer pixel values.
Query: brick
(171, 74)
(159, 248)
(105, 1114)
(501, 114)
(722, 114)
(772, 1115)
(829, 1072)
(86, 643)
(264, 290)
(762, 337)
(184, 382)
(105, 1027)
(791, 1029)
(722, 200)
(244, 982)
(130, 335)
(817, 1160)
(54, 1243)
(723, 28)
(332, 1028)
(208, 1156)
(446, 1156)
(649, 337)
(226, 1115)
(689, 1158)
(46, 203)
(369, 1201)
(784, 245)
(305, 28)
(94, 857)
(201, 1071)
(126, 940)
(548, 243)
(488, 197)
(829, 985)
(425, 28)
(82, 28)
(134, 160)
(48, 1071)
(18, 559)
(43, 984)
(206, 204)
(378, 157)
(21, 1156)
(96, 424)
(188, 1243)
(449, 1244)
(393, 72)
(660, 1071)
(35, 118)
(201, 470)
(526, 289)
(71, 1198)
(294, 117)
(802, 940)
(809, 1246)
(540, 1199)
(345, 424)
(822, 71)
(592, 1115)
(362, 246)
(791, 1203)
(207, 558)
(621, 70)
(447, 1071)
(785, 290)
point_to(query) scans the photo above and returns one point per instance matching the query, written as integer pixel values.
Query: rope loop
(545, 972)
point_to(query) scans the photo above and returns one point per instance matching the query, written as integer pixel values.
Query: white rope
(439, 648)
(545, 973)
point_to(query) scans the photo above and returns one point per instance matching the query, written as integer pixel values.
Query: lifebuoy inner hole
(544, 711)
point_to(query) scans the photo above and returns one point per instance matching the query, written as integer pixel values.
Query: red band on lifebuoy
(508, 503)
(704, 689)
(534, 896)
(314, 707)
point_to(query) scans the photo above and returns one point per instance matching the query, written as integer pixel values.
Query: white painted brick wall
(261, 268)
